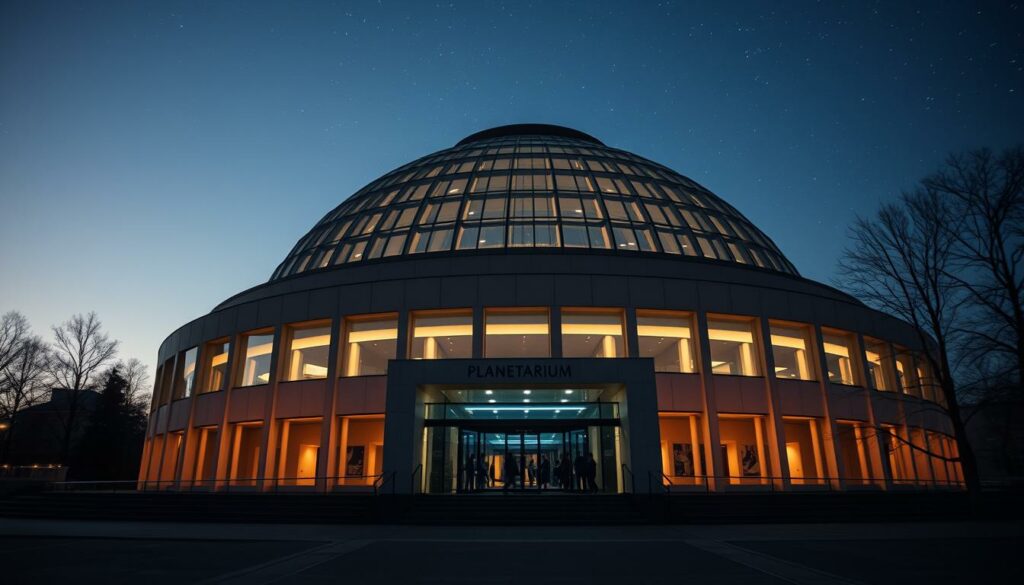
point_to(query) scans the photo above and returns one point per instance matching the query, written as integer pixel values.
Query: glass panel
(592, 334)
(307, 353)
(256, 352)
(732, 347)
(906, 375)
(875, 351)
(682, 449)
(789, 348)
(668, 338)
(443, 336)
(215, 356)
(804, 451)
(517, 334)
(188, 374)
(743, 449)
(369, 344)
(300, 452)
(574, 235)
(838, 348)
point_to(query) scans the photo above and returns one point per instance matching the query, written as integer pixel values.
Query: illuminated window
(838, 347)
(369, 344)
(187, 374)
(515, 333)
(906, 375)
(804, 452)
(257, 349)
(859, 461)
(592, 334)
(743, 448)
(442, 336)
(215, 358)
(306, 358)
(732, 347)
(668, 338)
(929, 387)
(876, 354)
(682, 449)
(300, 452)
(361, 442)
(243, 466)
(790, 348)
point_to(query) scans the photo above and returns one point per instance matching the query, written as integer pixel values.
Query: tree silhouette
(111, 446)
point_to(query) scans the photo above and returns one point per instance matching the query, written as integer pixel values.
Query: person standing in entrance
(531, 469)
(481, 473)
(565, 473)
(591, 473)
(580, 466)
(509, 473)
(470, 472)
(545, 472)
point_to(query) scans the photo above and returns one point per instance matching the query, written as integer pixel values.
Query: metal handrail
(382, 479)
(379, 481)
(632, 479)
(412, 478)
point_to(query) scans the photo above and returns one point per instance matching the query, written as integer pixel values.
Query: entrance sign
(517, 371)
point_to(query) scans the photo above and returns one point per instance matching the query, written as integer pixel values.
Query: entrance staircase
(510, 509)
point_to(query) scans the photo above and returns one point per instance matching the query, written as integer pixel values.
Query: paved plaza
(44, 551)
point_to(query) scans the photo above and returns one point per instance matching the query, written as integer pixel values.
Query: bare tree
(987, 193)
(136, 375)
(22, 384)
(900, 262)
(80, 351)
(13, 331)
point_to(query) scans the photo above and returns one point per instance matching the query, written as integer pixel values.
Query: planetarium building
(531, 309)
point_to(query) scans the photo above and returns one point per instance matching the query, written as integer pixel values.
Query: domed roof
(532, 186)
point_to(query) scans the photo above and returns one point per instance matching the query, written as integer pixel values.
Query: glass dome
(532, 186)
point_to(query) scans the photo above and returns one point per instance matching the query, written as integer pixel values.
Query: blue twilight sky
(157, 157)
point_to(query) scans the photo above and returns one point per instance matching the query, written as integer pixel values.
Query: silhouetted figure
(531, 472)
(469, 473)
(481, 473)
(545, 472)
(510, 471)
(591, 470)
(565, 473)
(581, 472)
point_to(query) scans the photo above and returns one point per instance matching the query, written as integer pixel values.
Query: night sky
(156, 158)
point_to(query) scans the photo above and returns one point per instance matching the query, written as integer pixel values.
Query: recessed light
(527, 391)
(568, 391)
(565, 400)
(526, 399)
(491, 400)
(488, 392)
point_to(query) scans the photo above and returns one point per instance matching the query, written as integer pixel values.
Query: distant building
(531, 296)
(38, 432)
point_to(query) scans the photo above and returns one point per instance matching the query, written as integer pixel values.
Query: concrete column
(478, 332)
(833, 456)
(186, 467)
(632, 342)
(402, 345)
(222, 456)
(776, 431)
(878, 462)
(555, 327)
(268, 444)
(326, 467)
(709, 420)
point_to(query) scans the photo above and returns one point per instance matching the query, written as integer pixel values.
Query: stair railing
(412, 478)
(632, 479)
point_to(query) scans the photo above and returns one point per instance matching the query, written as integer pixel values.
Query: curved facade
(531, 309)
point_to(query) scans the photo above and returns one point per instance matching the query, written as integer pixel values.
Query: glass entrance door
(541, 460)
